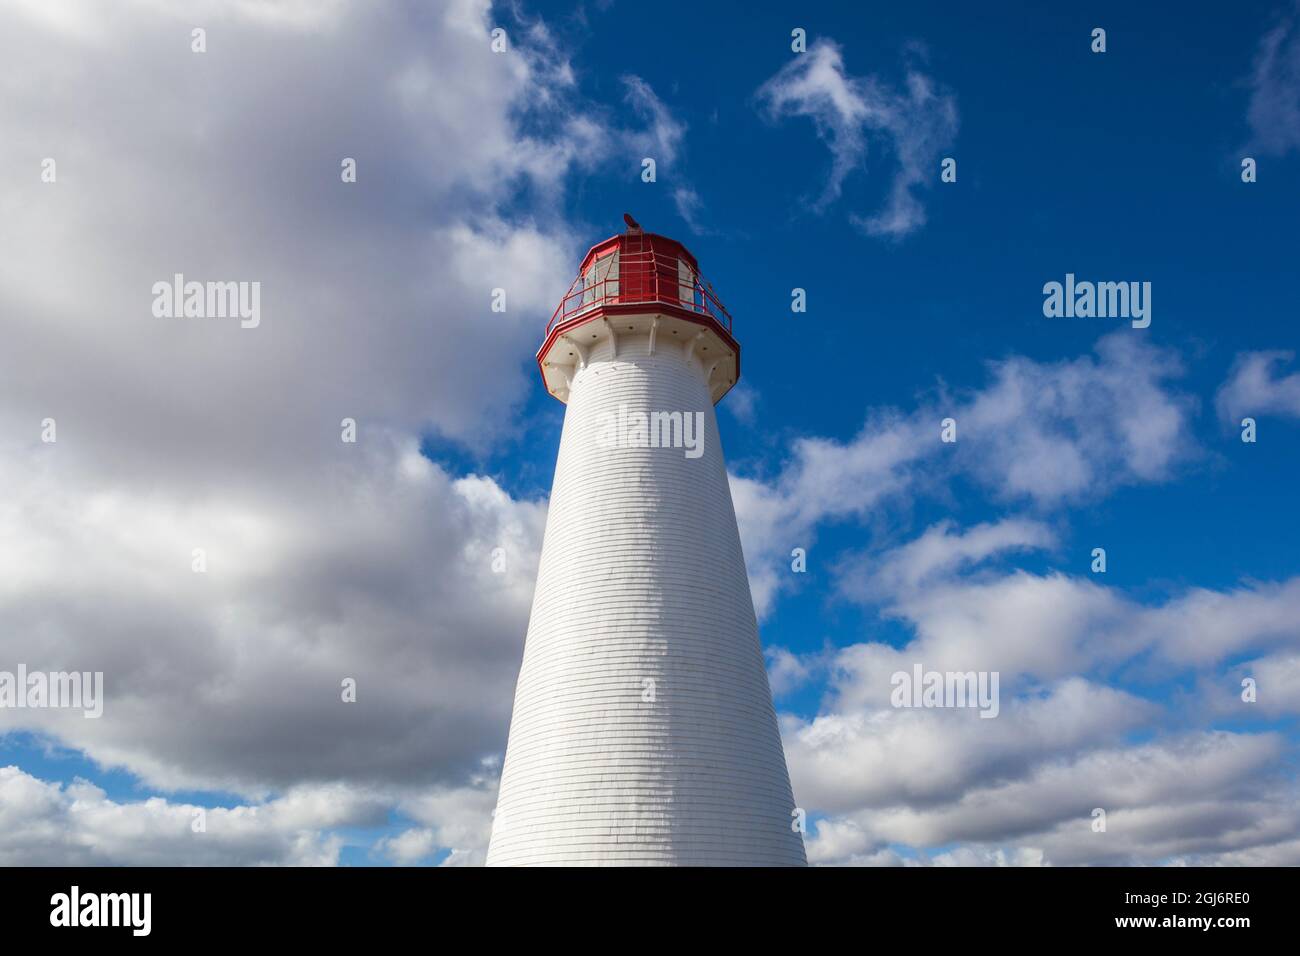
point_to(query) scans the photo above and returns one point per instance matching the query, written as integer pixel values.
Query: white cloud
(385, 280)
(940, 552)
(329, 560)
(787, 671)
(380, 571)
(662, 136)
(971, 856)
(1201, 798)
(918, 121)
(1274, 110)
(1204, 626)
(460, 818)
(742, 401)
(48, 824)
(1024, 784)
(690, 207)
(1048, 626)
(863, 753)
(1044, 433)
(815, 85)
(410, 846)
(325, 560)
(1255, 387)
(1277, 685)
(1068, 431)
(1019, 789)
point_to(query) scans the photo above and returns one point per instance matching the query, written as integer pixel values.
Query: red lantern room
(643, 286)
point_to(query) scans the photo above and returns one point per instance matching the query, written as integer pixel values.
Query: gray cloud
(1197, 798)
(325, 560)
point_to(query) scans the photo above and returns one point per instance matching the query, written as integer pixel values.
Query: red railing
(644, 277)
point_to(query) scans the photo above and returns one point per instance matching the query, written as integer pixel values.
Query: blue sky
(480, 170)
(1123, 165)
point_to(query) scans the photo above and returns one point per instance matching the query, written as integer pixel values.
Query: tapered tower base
(643, 728)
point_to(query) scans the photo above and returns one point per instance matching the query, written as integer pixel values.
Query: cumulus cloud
(917, 120)
(966, 614)
(939, 552)
(457, 818)
(1204, 626)
(1276, 680)
(78, 824)
(46, 824)
(1047, 434)
(1024, 785)
(410, 846)
(787, 671)
(1020, 788)
(383, 278)
(1204, 798)
(325, 560)
(1190, 796)
(380, 572)
(861, 752)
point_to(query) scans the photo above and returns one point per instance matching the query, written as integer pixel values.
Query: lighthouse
(643, 731)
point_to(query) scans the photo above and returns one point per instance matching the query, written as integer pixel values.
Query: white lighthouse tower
(643, 730)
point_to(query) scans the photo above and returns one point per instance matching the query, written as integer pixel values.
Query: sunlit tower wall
(643, 730)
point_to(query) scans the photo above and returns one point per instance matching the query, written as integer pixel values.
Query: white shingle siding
(642, 576)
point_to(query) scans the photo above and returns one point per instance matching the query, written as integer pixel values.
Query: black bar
(929, 906)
